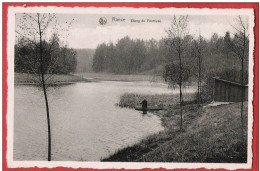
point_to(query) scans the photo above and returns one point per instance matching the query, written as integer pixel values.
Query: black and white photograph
(98, 87)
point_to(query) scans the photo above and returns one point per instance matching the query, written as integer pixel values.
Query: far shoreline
(57, 79)
(88, 77)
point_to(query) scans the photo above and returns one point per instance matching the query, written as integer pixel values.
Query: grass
(210, 135)
(119, 77)
(23, 78)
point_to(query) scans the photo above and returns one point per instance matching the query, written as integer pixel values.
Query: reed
(162, 100)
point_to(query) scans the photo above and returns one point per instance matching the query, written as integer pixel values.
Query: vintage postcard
(133, 88)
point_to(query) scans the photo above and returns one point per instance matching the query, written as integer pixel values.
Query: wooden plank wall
(226, 91)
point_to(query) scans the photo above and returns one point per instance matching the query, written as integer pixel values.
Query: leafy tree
(153, 55)
(99, 58)
(227, 41)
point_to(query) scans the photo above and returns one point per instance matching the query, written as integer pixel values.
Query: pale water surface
(86, 124)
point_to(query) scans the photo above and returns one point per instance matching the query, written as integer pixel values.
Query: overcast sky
(86, 31)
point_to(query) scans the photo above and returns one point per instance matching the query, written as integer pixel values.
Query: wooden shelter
(228, 91)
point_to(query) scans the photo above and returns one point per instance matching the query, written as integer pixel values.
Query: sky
(87, 32)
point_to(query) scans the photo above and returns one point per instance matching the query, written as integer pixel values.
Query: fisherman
(144, 104)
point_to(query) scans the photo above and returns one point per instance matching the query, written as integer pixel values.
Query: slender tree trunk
(242, 97)
(198, 92)
(242, 82)
(44, 91)
(180, 86)
(199, 79)
(48, 117)
(199, 82)
(180, 82)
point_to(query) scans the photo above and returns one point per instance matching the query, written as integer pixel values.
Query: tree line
(133, 56)
(127, 56)
(57, 59)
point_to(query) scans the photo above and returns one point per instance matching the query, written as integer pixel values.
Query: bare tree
(178, 40)
(32, 31)
(240, 47)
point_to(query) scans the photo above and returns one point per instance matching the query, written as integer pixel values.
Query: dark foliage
(127, 56)
(57, 60)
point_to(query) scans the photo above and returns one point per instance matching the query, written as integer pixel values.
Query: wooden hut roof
(231, 82)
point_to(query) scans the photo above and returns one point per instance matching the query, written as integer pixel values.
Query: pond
(86, 124)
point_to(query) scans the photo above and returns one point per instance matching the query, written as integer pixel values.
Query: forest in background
(136, 56)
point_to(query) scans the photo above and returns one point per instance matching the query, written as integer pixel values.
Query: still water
(86, 124)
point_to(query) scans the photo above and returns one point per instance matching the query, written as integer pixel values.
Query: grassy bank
(117, 77)
(211, 134)
(23, 78)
